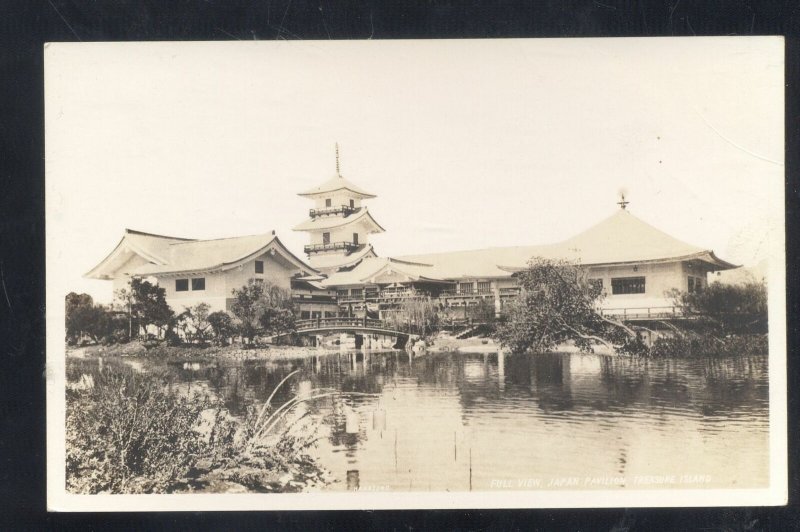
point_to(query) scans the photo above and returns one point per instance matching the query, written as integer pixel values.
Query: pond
(462, 422)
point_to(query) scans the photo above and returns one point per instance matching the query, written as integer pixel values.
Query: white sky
(467, 144)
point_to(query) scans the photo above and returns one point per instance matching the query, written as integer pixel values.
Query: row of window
(199, 283)
(305, 314)
(619, 285)
(182, 285)
(622, 285)
(484, 287)
(328, 203)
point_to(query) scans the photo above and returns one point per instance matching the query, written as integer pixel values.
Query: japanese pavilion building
(339, 224)
(636, 264)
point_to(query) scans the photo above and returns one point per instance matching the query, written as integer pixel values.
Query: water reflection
(542, 417)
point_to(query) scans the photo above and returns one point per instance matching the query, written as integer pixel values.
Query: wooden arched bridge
(348, 325)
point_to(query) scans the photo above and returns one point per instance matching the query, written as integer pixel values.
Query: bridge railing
(344, 322)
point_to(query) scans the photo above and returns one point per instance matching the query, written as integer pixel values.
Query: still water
(485, 422)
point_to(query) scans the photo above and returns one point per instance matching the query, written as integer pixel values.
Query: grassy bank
(198, 353)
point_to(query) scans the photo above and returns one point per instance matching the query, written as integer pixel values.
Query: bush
(222, 326)
(127, 434)
(702, 345)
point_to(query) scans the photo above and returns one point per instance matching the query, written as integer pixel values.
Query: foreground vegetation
(128, 432)
(558, 304)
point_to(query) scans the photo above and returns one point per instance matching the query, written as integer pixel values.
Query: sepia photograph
(415, 274)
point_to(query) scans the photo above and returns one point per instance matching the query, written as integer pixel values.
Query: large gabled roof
(623, 238)
(619, 239)
(335, 183)
(167, 255)
(151, 247)
(321, 223)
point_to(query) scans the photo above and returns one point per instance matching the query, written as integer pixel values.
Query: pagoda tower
(338, 225)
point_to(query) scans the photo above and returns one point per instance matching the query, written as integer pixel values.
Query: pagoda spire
(622, 203)
(337, 161)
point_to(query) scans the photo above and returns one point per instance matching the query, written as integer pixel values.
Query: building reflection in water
(518, 416)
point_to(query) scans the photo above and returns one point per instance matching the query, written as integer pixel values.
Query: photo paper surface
(415, 274)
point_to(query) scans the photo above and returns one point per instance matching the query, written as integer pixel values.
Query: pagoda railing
(330, 246)
(346, 210)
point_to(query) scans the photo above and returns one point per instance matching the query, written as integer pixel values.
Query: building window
(465, 288)
(259, 266)
(304, 314)
(484, 287)
(352, 204)
(341, 293)
(695, 285)
(327, 202)
(355, 238)
(199, 283)
(627, 285)
(371, 291)
(181, 285)
(356, 292)
(326, 238)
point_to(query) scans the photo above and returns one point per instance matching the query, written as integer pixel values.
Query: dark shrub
(128, 434)
(695, 346)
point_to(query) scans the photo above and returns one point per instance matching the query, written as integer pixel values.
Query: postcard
(415, 274)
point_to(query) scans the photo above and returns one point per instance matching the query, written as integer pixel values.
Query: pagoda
(338, 225)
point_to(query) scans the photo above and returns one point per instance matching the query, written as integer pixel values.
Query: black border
(26, 24)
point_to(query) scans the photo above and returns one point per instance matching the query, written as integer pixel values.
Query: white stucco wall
(659, 279)
(219, 285)
(342, 234)
(337, 198)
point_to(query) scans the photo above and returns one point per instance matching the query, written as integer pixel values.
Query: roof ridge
(198, 241)
(411, 263)
(129, 231)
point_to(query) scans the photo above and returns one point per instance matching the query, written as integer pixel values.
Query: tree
(196, 319)
(420, 316)
(123, 303)
(556, 304)
(221, 325)
(277, 309)
(85, 319)
(149, 305)
(260, 305)
(725, 309)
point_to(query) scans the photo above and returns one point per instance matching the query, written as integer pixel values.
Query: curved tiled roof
(320, 223)
(335, 183)
(151, 247)
(172, 255)
(620, 238)
(327, 262)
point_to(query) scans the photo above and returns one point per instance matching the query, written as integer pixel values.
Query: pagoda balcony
(330, 246)
(345, 210)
